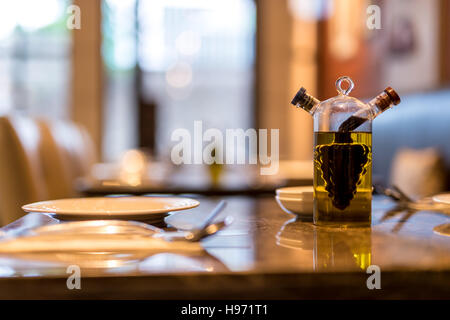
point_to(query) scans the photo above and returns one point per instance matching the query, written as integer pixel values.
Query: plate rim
(436, 198)
(26, 208)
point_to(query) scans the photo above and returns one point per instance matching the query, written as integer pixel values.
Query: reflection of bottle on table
(342, 249)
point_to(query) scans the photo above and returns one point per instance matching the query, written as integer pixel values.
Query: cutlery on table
(95, 235)
(111, 227)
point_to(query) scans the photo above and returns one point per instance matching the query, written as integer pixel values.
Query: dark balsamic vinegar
(342, 178)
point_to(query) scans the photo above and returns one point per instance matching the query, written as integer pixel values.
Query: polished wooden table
(264, 254)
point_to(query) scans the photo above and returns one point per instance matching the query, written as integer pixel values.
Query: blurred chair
(21, 179)
(55, 166)
(421, 121)
(40, 160)
(67, 153)
(418, 172)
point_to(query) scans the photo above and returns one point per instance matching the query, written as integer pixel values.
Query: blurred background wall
(138, 69)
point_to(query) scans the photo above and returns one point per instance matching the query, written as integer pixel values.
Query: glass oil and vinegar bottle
(343, 153)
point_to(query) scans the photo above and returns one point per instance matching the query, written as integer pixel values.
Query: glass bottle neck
(309, 105)
(305, 101)
(382, 102)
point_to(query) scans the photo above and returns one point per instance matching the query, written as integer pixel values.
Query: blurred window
(194, 60)
(197, 59)
(34, 57)
(119, 55)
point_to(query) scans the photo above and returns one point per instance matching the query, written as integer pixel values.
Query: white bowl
(299, 207)
(305, 193)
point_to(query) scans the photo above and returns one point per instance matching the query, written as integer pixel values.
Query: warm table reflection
(264, 253)
(330, 248)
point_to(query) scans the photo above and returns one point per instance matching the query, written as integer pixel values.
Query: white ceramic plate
(130, 208)
(295, 206)
(442, 198)
(300, 193)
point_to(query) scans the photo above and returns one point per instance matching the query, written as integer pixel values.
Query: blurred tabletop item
(137, 174)
(265, 253)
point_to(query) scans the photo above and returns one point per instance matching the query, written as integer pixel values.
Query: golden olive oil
(342, 178)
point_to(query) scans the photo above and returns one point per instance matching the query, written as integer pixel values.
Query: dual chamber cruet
(343, 153)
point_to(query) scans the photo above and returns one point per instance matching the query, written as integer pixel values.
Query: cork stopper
(387, 98)
(393, 95)
(304, 100)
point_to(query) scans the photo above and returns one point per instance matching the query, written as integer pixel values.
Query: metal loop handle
(339, 88)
